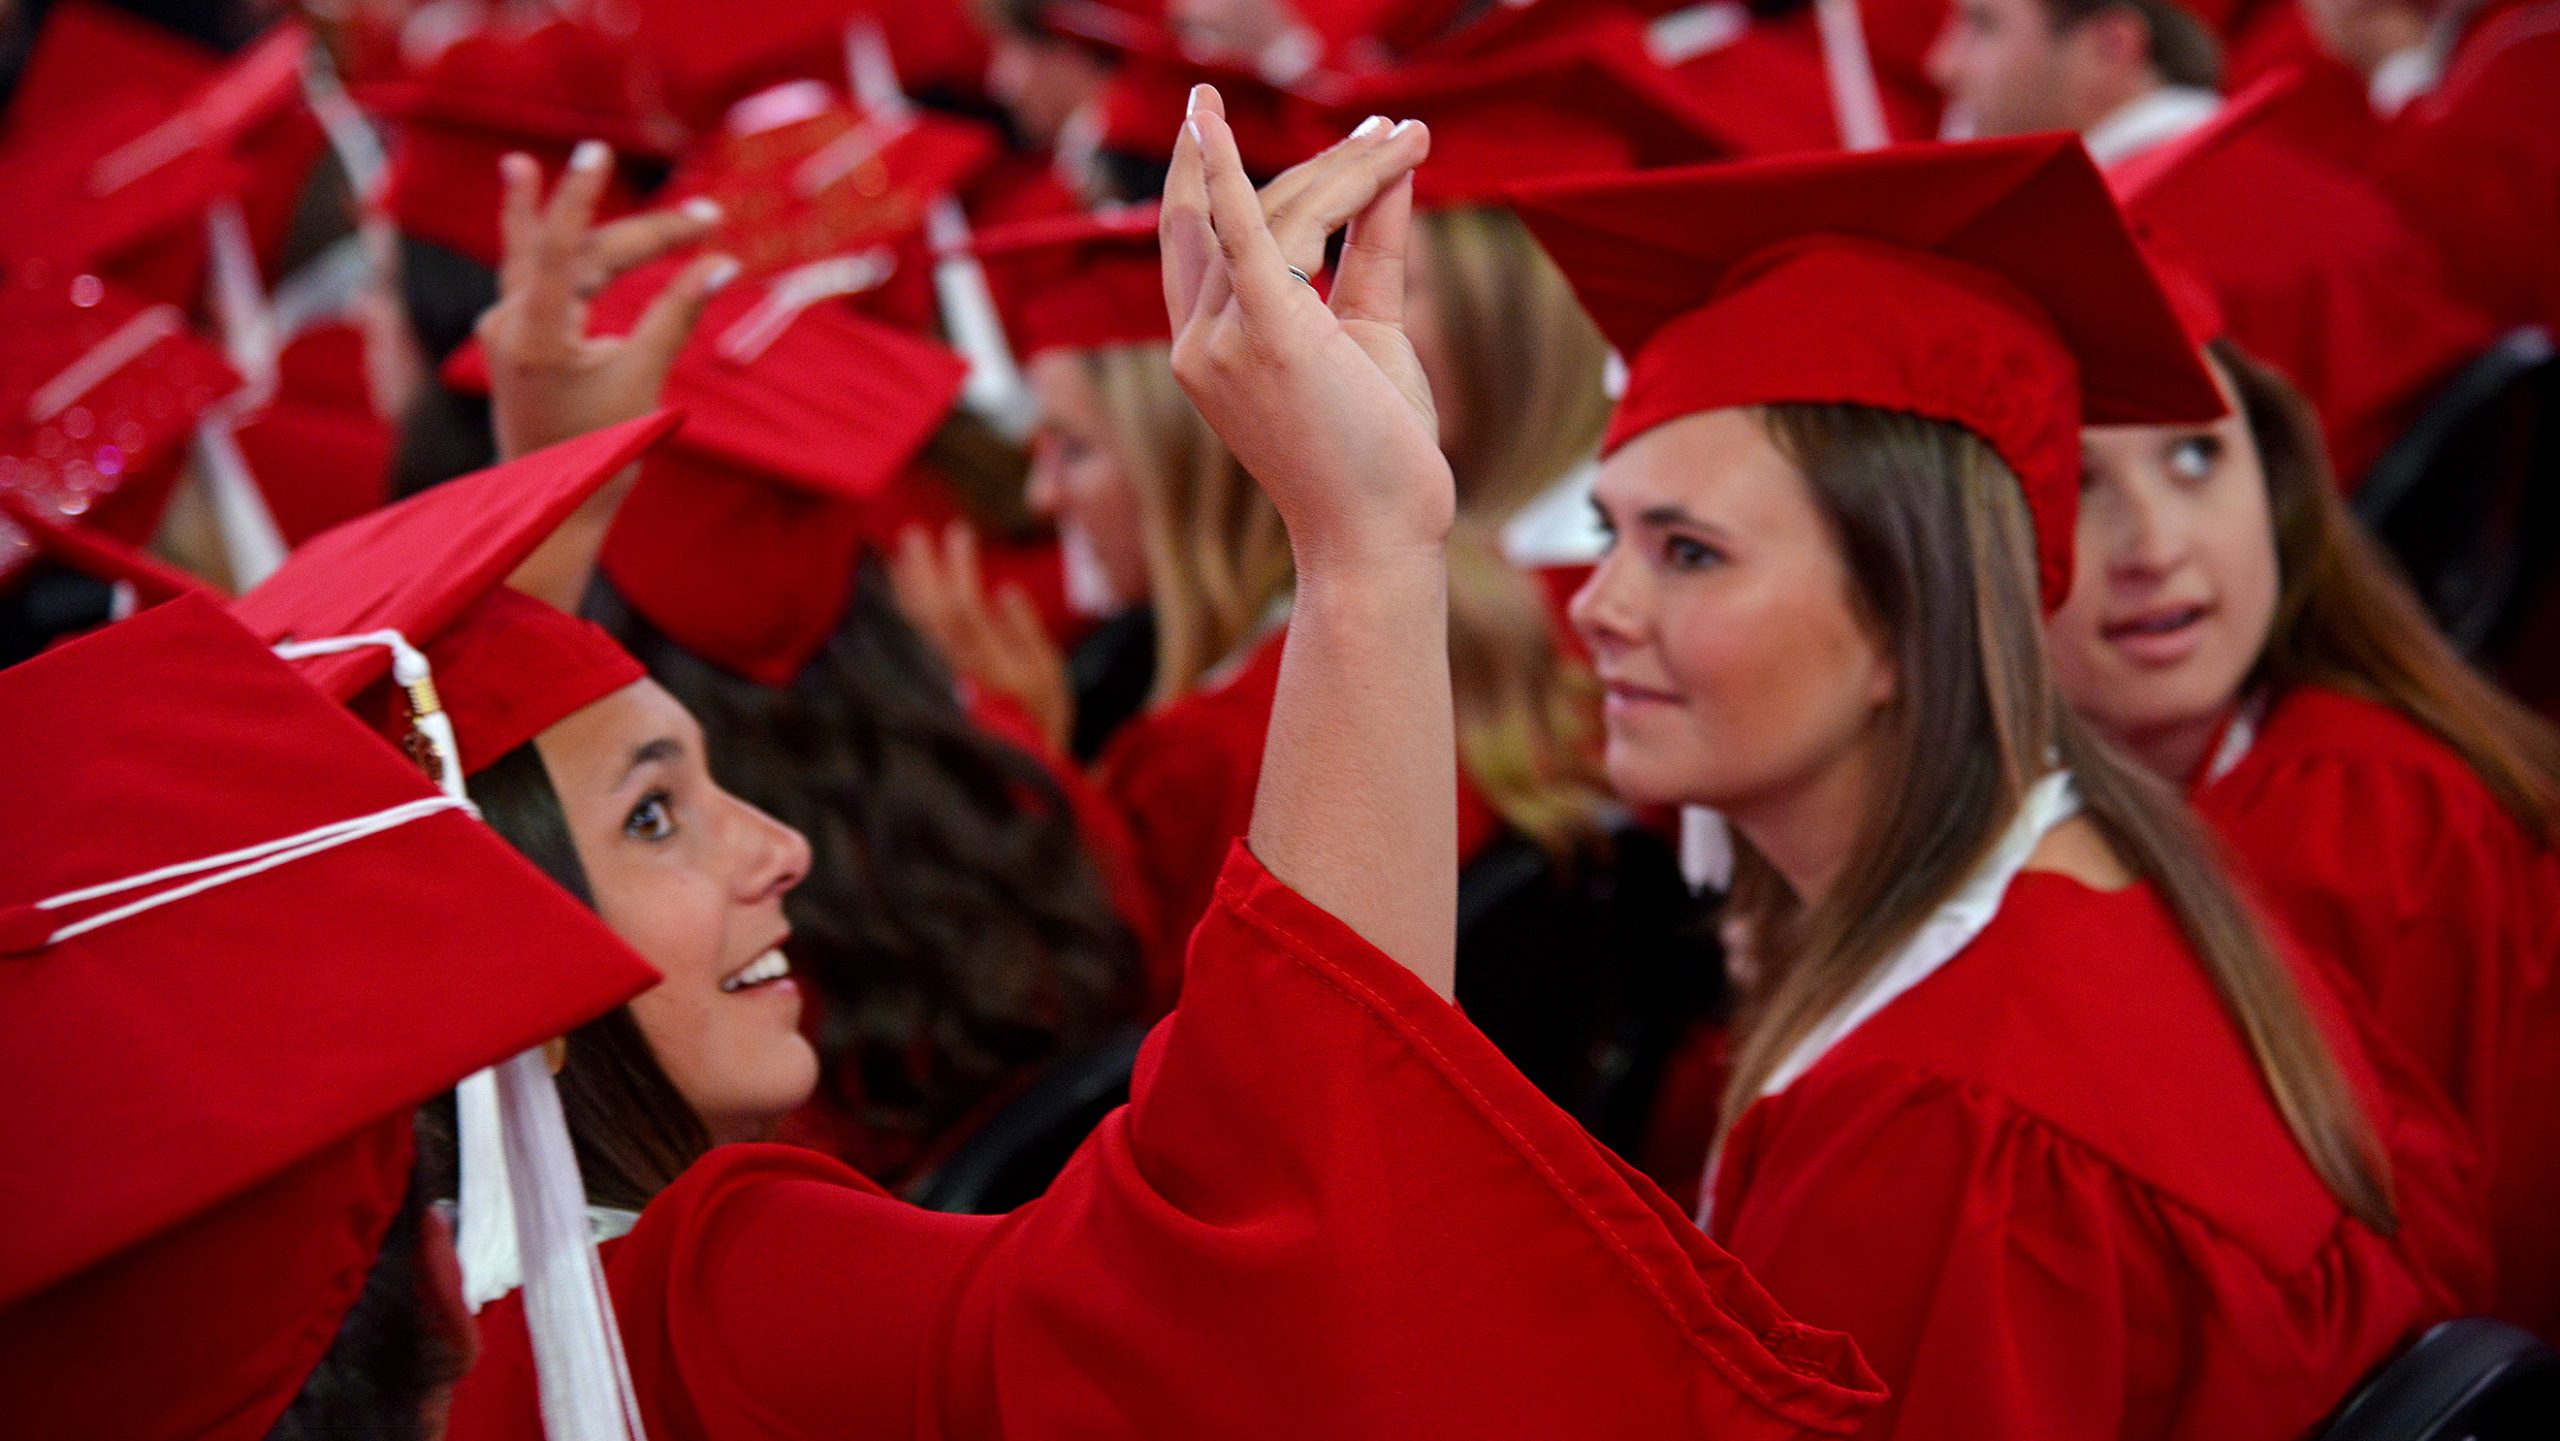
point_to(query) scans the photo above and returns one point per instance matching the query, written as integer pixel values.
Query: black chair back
(1021, 1148)
(2468, 499)
(2469, 1380)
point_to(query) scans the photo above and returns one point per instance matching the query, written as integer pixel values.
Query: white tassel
(994, 389)
(486, 1238)
(1856, 102)
(1706, 849)
(584, 1381)
(252, 544)
(870, 73)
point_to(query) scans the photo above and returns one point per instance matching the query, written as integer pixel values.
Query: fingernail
(723, 270)
(1194, 102)
(1369, 127)
(590, 155)
(1192, 129)
(1402, 126)
(702, 209)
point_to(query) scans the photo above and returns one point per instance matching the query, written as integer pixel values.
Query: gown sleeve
(1331, 1208)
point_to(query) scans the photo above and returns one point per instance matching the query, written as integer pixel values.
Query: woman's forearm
(1357, 808)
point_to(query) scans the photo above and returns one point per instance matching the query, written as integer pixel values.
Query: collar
(2149, 120)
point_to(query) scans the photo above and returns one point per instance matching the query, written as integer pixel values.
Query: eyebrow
(664, 748)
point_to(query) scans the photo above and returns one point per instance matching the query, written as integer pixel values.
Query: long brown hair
(1218, 562)
(1935, 528)
(2346, 621)
(1524, 355)
(632, 1130)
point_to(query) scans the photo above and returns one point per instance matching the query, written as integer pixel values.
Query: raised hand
(550, 380)
(1325, 404)
(996, 643)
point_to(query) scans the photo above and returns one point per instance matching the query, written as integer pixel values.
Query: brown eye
(654, 819)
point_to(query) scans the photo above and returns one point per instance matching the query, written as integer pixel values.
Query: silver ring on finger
(1301, 277)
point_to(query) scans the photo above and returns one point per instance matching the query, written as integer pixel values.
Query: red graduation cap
(100, 393)
(90, 53)
(709, 56)
(1077, 282)
(213, 1130)
(836, 181)
(740, 540)
(434, 569)
(1993, 285)
(539, 87)
(1590, 102)
(1362, 34)
(121, 181)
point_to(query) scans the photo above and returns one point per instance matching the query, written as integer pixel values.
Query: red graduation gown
(1330, 1209)
(2383, 852)
(2343, 297)
(1185, 775)
(2475, 164)
(2049, 1195)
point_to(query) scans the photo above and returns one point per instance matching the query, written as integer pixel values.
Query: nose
(1043, 492)
(2150, 533)
(773, 858)
(1605, 611)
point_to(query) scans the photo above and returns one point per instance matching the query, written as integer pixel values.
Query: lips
(2161, 635)
(764, 970)
(1627, 693)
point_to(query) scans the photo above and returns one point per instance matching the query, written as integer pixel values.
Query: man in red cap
(216, 1229)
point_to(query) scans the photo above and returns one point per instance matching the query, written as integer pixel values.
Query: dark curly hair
(956, 931)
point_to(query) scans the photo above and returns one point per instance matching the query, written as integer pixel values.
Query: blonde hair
(1217, 556)
(1936, 531)
(1218, 559)
(1525, 358)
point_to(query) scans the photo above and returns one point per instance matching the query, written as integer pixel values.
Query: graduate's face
(693, 878)
(2174, 587)
(2007, 70)
(1041, 82)
(1739, 669)
(1082, 484)
(1233, 31)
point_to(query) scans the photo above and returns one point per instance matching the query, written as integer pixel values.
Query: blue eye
(1681, 552)
(654, 819)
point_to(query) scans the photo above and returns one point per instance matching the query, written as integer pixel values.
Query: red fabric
(837, 182)
(1771, 82)
(1588, 102)
(121, 180)
(417, 566)
(708, 57)
(100, 392)
(319, 450)
(1185, 776)
(2476, 164)
(2385, 854)
(2049, 1194)
(1973, 284)
(1077, 282)
(1374, 1227)
(508, 85)
(509, 668)
(226, 1081)
(2347, 300)
(89, 52)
